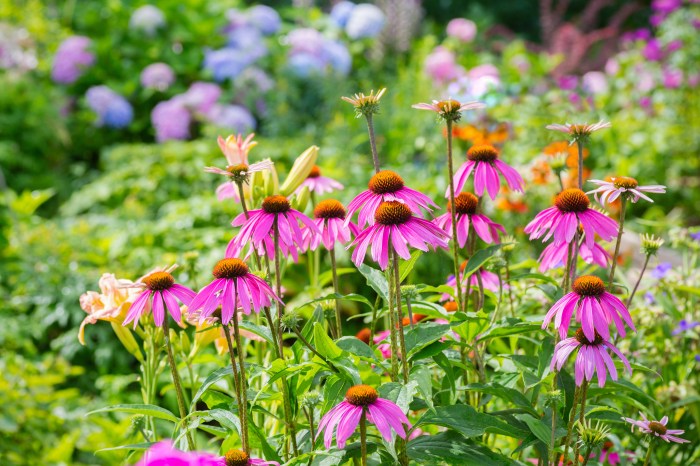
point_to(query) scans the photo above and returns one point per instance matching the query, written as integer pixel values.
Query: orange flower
(563, 148)
(541, 172)
(494, 134)
(508, 205)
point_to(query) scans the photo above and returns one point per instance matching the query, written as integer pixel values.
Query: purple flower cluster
(72, 58)
(663, 8)
(311, 53)
(462, 29)
(157, 76)
(147, 19)
(112, 109)
(359, 21)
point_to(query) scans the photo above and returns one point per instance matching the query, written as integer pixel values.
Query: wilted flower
(462, 29)
(592, 357)
(395, 227)
(148, 19)
(171, 120)
(483, 161)
(157, 76)
(579, 132)
(365, 21)
(72, 58)
(359, 400)
(450, 109)
(623, 186)
(657, 429)
(161, 287)
(110, 304)
(112, 109)
(595, 309)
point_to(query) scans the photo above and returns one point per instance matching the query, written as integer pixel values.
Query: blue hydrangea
(236, 118)
(338, 56)
(340, 14)
(304, 65)
(226, 63)
(112, 109)
(366, 21)
(264, 18)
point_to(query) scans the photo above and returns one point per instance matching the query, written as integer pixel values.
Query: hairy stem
(372, 142)
(399, 316)
(636, 285)
(623, 207)
(453, 215)
(243, 386)
(176, 379)
(570, 425)
(336, 288)
(363, 437)
(647, 457)
(392, 323)
(236, 383)
(579, 146)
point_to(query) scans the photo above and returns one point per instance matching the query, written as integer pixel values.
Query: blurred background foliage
(82, 195)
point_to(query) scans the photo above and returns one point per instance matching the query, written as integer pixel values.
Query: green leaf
(508, 328)
(468, 422)
(146, 410)
(538, 427)
(421, 374)
(407, 266)
(510, 395)
(326, 277)
(226, 418)
(400, 394)
(376, 280)
(132, 447)
(480, 257)
(260, 330)
(211, 380)
(347, 297)
(323, 343)
(536, 276)
(357, 347)
(334, 390)
(450, 448)
(422, 335)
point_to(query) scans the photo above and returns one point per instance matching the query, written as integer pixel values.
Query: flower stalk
(236, 385)
(623, 206)
(399, 316)
(336, 288)
(453, 215)
(363, 437)
(176, 380)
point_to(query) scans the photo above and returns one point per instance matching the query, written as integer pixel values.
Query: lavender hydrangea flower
(338, 56)
(264, 18)
(147, 19)
(112, 109)
(340, 13)
(171, 120)
(157, 76)
(201, 97)
(366, 21)
(226, 63)
(234, 117)
(72, 58)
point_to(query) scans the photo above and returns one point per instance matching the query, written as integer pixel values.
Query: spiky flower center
(588, 285)
(315, 172)
(230, 268)
(625, 182)
(465, 204)
(449, 105)
(581, 338)
(237, 170)
(276, 204)
(482, 153)
(158, 281)
(450, 306)
(657, 428)
(580, 131)
(236, 457)
(361, 395)
(572, 200)
(386, 181)
(392, 213)
(329, 208)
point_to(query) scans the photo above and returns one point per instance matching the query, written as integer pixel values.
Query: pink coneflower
(579, 131)
(483, 161)
(396, 227)
(595, 309)
(449, 109)
(657, 428)
(319, 184)
(329, 217)
(555, 255)
(160, 285)
(346, 416)
(609, 191)
(592, 357)
(489, 279)
(466, 207)
(384, 347)
(571, 209)
(386, 186)
(258, 229)
(234, 286)
(164, 453)
(236, 457)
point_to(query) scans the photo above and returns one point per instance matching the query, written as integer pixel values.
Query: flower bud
(127, 339)
(650, 244)
(300, 170)
(301, 199)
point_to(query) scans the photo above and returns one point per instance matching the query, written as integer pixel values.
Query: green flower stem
(392, 323)
(176, 380)
(373, 324)
(372, 142)
(237, 381)
(336, 288)
(579, 146)
(570, 426)
(506, 256)
(306, 343)
(243, 386)
(647, 457)
(453, 215)
(636, 285)
(363, 437)
(399, 317)
(582, 415)
(623, 207)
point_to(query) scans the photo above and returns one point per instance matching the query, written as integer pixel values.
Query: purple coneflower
(657, 428)
(160, 285)
(466, 208)
(319, 184)
(359, 400)
(164, 453)
(571, 209)
(609, 191)
(258, 229)
(592, 357)
(235, 457)
(234, 286)
(595, 309)
(396, 227)
(555, 255)
(579, 131)
(449, 109)
(482, 160)
(329, 217)
(386, 185)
